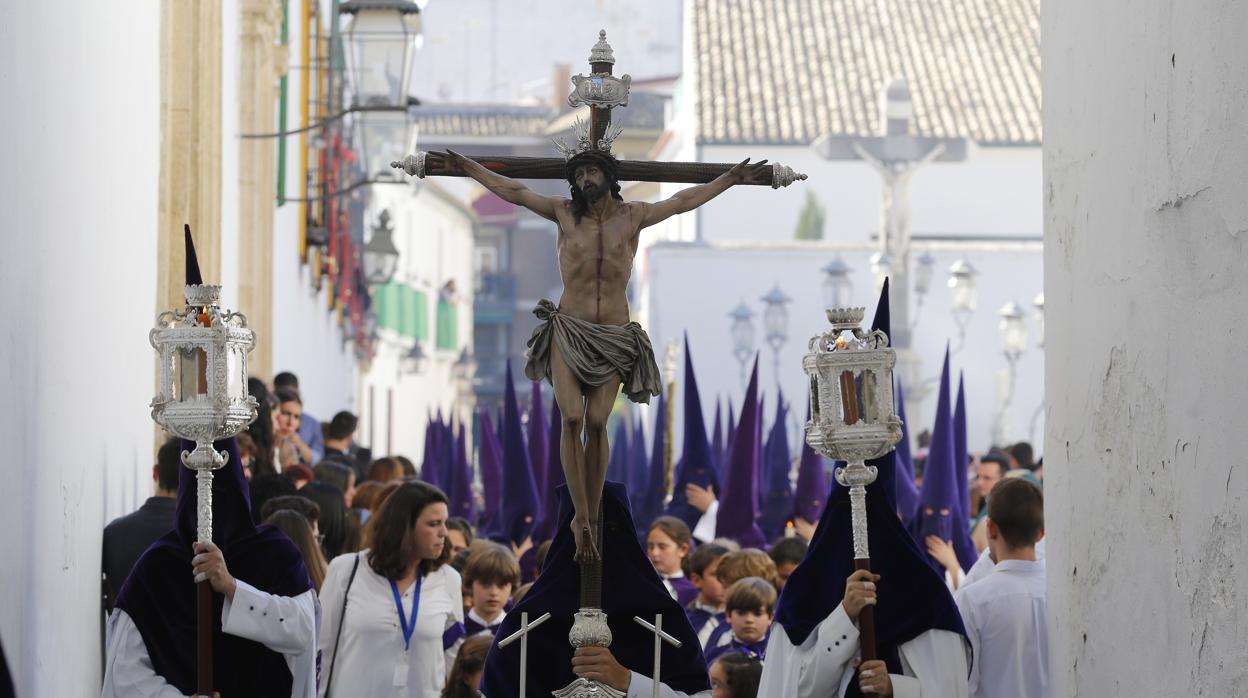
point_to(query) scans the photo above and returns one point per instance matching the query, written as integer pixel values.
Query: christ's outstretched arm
(693, 197)
(506, 188)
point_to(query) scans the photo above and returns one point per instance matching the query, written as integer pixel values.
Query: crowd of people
(366, 584)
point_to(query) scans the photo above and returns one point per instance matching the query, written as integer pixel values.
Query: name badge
(400, 674)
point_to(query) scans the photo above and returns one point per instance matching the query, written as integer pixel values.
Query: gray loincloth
(594, 352)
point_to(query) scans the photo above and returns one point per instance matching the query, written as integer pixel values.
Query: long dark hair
(261, 430)
(744, 673)
(470, 660)
(297, 528)
(610, 171)
(391, 526)
(333, 519)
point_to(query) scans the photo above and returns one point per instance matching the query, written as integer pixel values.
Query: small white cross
(523, 635)
(659, 638)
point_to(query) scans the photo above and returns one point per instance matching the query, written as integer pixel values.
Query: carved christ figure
(895, 192)
(585, 345)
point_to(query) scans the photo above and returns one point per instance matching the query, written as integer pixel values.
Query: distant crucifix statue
(586, 344)
(895, 156)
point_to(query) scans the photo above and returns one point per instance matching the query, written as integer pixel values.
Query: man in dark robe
(264, 611)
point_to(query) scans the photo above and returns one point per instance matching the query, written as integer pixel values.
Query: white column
(1146, 164)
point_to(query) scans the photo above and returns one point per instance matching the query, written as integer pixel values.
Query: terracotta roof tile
(789, 71)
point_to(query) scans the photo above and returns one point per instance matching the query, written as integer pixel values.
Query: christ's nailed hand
(745, 173)
(209, 565)
(452, 161)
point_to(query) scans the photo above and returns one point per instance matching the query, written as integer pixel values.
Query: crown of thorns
(604, 160)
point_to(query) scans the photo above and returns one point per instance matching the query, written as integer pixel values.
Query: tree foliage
(810, 222)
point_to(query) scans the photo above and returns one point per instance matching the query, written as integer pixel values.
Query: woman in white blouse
(370, 644)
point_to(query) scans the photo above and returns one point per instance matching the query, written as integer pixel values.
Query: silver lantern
(851, 405)
(203, 384)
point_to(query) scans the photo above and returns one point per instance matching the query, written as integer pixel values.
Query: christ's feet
(585, 536)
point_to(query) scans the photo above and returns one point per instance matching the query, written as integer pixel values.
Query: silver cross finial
(659, 638)
(523, 635)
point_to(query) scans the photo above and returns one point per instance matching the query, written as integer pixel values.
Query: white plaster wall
(307, 338)
(996, 191)
(692, 288)
(434, 232)
(77, 298)
(1146, 159)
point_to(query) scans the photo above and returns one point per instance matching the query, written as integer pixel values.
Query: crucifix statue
(586, 344)
(895, 156)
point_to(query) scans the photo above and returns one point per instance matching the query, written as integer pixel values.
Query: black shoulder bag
(329, 685)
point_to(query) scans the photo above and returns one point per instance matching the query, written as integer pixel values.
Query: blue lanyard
(398, 604)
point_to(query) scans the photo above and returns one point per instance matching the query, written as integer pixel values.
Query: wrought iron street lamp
(383, 134)
(742, 330)
(381, 257)
(415, 359)
(962, 287)
(380, 43)
(776, 322)
(836, 284)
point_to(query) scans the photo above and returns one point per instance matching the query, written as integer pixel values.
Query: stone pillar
(190, 146)
(262, 62)
(1146, 239)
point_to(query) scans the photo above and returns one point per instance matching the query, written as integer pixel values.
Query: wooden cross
(602, 91)
(659, 638)
(895, 156)
(523, 635)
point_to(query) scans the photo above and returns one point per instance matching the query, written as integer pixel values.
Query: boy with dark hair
(1007, 607)
(491, 574)
(787, 553)
(751, 603)
(706, 613)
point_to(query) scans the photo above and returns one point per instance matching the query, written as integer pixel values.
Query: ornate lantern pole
(852, 419)
(203, 398)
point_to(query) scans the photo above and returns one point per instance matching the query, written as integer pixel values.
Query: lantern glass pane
(868, 389)
(1013, 335)
(379, 46)
(191, 379)
(815, 409)
(849, 398)
(742, 335)
(962, 289)
(236, 382)
(923, 275)
(382, 140)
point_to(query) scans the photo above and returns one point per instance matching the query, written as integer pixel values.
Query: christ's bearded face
(591, 181)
